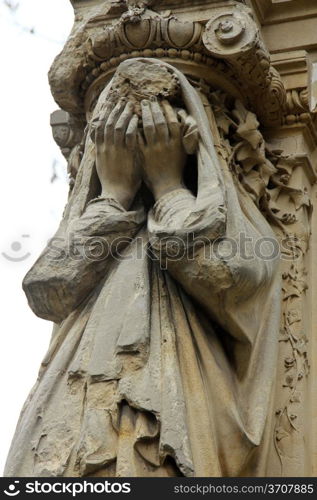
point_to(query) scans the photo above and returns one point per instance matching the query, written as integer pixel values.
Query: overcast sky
(31, 206)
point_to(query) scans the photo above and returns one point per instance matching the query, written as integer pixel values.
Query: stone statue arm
(198, 238)
(77, 258)
(75, 261)
(215, 255)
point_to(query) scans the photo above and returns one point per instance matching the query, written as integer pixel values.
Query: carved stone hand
(161, 148)
(115, 139)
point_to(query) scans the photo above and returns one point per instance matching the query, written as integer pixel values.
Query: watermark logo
(163, 249)
(17, 248)
(13, 491)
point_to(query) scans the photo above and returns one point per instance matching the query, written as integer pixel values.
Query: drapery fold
(160, 366)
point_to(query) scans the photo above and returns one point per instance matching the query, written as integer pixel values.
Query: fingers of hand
(181, 113)
(131, 133)
(122, 124)
(159, 121)
(148, 122)
(111, 122)
(105, 112)
(171, 119)
(97, 127)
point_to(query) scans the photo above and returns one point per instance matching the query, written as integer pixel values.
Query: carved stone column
(261, 99)
(289, 30)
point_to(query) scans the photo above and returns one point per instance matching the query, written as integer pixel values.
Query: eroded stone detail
(161, 359)
(68, 133)
(146, 33)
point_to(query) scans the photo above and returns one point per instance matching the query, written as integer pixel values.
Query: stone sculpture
(164, 279)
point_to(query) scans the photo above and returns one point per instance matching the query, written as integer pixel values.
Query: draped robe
(160, 363)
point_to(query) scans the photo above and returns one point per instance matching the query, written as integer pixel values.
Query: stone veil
(158, 366)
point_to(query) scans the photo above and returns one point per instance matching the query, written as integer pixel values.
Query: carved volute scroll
(232, 35)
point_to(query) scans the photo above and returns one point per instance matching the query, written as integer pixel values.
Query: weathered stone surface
(179, 279)
(137, 80)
